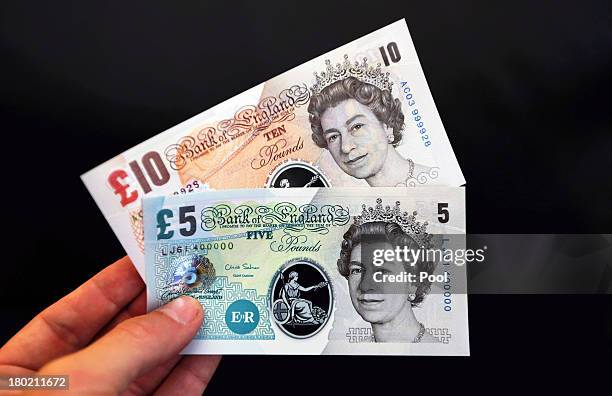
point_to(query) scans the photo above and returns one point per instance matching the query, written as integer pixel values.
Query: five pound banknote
(359, 115)
(314, 270)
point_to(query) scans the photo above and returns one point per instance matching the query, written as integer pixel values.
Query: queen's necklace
(418, 337)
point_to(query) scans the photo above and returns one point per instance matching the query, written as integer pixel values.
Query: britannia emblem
(297, 173)
(301, 298)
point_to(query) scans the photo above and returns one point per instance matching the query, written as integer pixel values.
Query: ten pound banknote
(359, 115)
(314, 271)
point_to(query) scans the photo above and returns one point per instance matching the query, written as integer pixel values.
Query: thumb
(132, 348)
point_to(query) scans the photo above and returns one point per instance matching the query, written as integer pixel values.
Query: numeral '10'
(153, 167)
(393, 53)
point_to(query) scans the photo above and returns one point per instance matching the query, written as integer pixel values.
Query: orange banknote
(359, 115)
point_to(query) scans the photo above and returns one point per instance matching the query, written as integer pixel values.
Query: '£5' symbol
(162, 224)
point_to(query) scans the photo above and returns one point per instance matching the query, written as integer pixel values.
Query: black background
(297, 176)
(523, 90)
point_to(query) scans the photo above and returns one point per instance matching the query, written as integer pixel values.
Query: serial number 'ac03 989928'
(415, 115)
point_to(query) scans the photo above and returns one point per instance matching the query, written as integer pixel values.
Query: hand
(101, 338)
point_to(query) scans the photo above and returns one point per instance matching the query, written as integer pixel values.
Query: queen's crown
(408, 223)
(363, 72)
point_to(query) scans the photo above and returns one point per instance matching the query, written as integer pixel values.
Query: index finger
(73, 321)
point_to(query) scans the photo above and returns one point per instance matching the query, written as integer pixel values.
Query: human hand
(100, 336)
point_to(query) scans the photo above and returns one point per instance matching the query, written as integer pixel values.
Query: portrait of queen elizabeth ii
(389, 308)
(353, 114)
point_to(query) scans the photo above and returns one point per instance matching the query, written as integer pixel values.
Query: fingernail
(183, 309)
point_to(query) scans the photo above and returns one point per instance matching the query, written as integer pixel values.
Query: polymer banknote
(307, 271)
(359, 115)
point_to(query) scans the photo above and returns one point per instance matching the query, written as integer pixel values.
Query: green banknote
(315, 271)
